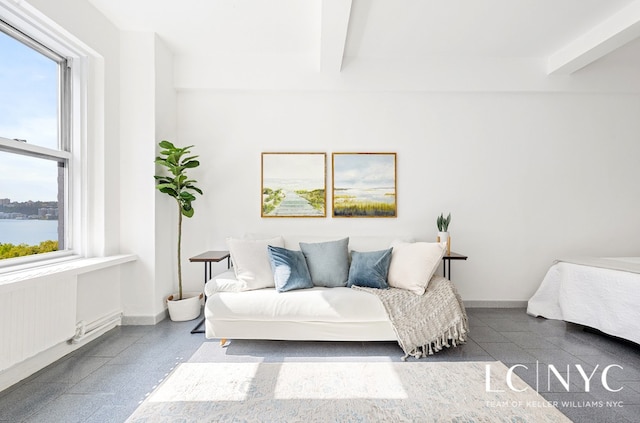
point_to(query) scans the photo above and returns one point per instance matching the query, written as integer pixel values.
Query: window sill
(73, 265)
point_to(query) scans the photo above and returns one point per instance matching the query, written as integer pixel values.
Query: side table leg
(207, 276)
(197, 328)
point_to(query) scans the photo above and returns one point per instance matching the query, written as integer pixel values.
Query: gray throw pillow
(328, 262)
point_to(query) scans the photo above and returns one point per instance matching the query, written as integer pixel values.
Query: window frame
(63, 155)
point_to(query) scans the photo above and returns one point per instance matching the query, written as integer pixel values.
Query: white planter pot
(186, 309)
(444, 237)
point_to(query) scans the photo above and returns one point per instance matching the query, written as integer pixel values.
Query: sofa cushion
(413, 264)
(318, 304)
(251, 261)
(369, 269)
(328, 262)
(289, 268)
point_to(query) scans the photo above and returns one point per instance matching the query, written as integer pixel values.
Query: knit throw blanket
(425, 324)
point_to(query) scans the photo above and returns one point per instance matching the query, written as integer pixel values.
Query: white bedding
(602, 293)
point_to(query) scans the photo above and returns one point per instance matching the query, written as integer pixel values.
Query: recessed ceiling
(409, 30)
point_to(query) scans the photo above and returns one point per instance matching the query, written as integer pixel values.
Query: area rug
(345, 392)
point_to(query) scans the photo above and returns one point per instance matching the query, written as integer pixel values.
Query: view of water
(382, 195)
(30, 232)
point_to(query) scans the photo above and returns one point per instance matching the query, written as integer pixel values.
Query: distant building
(48, 212)
(5, 201)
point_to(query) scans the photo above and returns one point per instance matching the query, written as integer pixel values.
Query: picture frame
(293, 185)
(364, 185)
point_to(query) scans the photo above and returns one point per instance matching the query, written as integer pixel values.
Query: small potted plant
(443, 228)
(176, 184)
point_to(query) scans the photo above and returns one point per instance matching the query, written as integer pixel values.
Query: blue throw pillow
(370, 269)
(289, 269)
(328, 262)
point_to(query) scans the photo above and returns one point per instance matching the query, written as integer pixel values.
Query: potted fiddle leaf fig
(176, 184)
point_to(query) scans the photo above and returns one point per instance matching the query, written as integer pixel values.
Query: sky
(294, 170)
(364, 170)
(28, 110)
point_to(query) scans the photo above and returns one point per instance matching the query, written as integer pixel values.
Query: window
(35, 147)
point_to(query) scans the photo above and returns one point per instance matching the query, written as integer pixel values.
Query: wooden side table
(446, 268)
(208, 258)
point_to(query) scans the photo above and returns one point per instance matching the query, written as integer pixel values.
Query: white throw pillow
(251, 261)
(413, 264)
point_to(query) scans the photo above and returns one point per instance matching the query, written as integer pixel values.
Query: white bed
(602, 293)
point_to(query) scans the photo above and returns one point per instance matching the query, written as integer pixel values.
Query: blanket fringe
(454, 336)
(425, 324)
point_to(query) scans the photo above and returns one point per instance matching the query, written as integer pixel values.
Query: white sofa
(319, 313)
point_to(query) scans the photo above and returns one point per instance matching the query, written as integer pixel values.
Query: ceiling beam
(601, 40)
(333, 33)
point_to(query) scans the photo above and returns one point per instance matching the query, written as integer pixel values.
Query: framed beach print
(294, 185)
(364, 185)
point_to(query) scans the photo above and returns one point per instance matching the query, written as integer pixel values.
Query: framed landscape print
(364, 185)
(294, 185)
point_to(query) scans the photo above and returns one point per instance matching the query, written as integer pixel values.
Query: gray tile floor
(106, 380)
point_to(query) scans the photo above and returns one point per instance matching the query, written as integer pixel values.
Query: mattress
(602, 293)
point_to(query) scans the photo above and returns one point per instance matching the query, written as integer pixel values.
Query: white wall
(147, 227)
(166, 219)
(527, 177)
(137, 136)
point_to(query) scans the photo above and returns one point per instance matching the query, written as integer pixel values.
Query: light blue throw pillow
(370, 269)
(328, 262)
(289, 269)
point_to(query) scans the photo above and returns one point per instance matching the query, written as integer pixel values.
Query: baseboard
(31, 365)
(145, 320)
(495, 304)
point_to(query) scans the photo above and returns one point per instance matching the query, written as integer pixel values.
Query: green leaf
(188, 212)
(186, 159)
(169, 191)
(166, 144)
(191, 164)
(166, 185)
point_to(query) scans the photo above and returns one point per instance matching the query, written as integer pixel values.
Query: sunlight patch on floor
(207, 382)
(338, 381)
